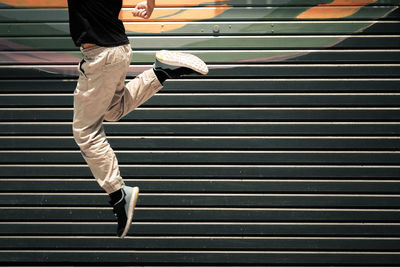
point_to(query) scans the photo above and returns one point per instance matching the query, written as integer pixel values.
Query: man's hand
(144, 9)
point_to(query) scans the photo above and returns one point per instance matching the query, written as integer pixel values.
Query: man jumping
(101, 93)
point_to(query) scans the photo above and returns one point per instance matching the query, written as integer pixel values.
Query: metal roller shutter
(287, 153)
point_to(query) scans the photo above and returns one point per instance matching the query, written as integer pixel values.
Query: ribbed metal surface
(287, 153)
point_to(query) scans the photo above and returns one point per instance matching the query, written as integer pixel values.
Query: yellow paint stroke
(170, 15)
(176, 3)
(336, 9)
(177, 14)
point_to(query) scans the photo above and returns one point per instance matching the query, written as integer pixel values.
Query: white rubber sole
(131, 209)
(182, 60)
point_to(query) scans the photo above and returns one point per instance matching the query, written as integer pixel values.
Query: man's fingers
(146, 15)
(143, 10)
(139, 13)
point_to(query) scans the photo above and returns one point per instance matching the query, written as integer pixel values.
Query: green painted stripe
(210, 42)
(218, 28)
(220, 57)
(234, 14)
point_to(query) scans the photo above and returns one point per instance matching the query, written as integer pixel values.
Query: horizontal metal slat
(288, 171)
(220, 57)
(221, 13)
(204, 228)
(213, 128)
(206, 200)
(200, 257)
(154, 156)
(198, 243)
(218, 28)
(163, 214)
(214, 85)
(371, 71)
(76, 185)
(305, 143)
(266, 100)
(213, 114)
(219, 42)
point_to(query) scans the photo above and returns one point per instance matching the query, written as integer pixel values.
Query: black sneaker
(175, 64)
(124, 208)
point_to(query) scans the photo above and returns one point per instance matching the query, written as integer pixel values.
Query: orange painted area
(169, 15)
(35, 3)
(335, 9)
(177, 14)
(153, 28)
(159, 14)
(176, 3)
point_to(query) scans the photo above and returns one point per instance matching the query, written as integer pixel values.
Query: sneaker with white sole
(124, 209)
(175, 64)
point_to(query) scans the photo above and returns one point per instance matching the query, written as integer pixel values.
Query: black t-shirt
(97, 22)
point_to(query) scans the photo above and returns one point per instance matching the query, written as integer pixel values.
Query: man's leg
(102, 74)
(168, 65)
(102, 71)
(134, 94)
(95, 87)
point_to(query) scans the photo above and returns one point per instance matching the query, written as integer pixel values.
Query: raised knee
(113, 116)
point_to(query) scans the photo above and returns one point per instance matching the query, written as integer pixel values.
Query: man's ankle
(161, 75)
(115, 197)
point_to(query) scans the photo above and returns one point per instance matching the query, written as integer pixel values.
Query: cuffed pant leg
(134, 94)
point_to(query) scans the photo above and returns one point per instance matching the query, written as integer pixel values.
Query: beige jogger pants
(101, 94)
